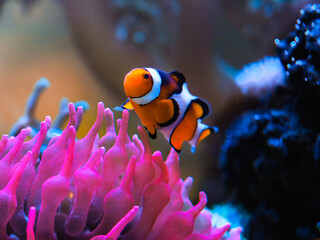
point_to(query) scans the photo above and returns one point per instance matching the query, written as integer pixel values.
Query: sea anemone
(97, 188)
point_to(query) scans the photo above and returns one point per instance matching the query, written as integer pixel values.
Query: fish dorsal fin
(127, 105)
(178, 77)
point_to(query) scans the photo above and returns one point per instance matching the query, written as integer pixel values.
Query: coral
(271, 160)
(300, 56)
(226, 212)
(271, 154)
(97, 188)
(260, 77)
(266, 6)
(300, 52)
(29, 120)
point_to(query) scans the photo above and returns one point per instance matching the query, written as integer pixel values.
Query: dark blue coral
(271, 155)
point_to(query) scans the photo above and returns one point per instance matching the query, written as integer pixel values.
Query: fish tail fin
(201, 133)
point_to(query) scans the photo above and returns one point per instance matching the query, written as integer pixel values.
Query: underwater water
(256, 63)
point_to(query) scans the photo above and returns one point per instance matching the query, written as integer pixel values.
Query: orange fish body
(162, 101)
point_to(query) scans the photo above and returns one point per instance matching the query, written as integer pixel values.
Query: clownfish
(163, 102)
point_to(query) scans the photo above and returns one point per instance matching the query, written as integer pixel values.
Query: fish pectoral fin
(127, 105)
(200, 108)
(178, 77)
(152, 132)
(168, 112)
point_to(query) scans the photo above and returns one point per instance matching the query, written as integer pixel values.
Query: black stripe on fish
(176, 110)
(164, 77)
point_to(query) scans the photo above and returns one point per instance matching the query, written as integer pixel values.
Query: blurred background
(85, 48)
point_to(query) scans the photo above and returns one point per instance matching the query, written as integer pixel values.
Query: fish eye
(146, 76)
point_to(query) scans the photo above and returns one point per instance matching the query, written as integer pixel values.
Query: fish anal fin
(178, 77)
(127, 105)
(202, 132)
(205, 133)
